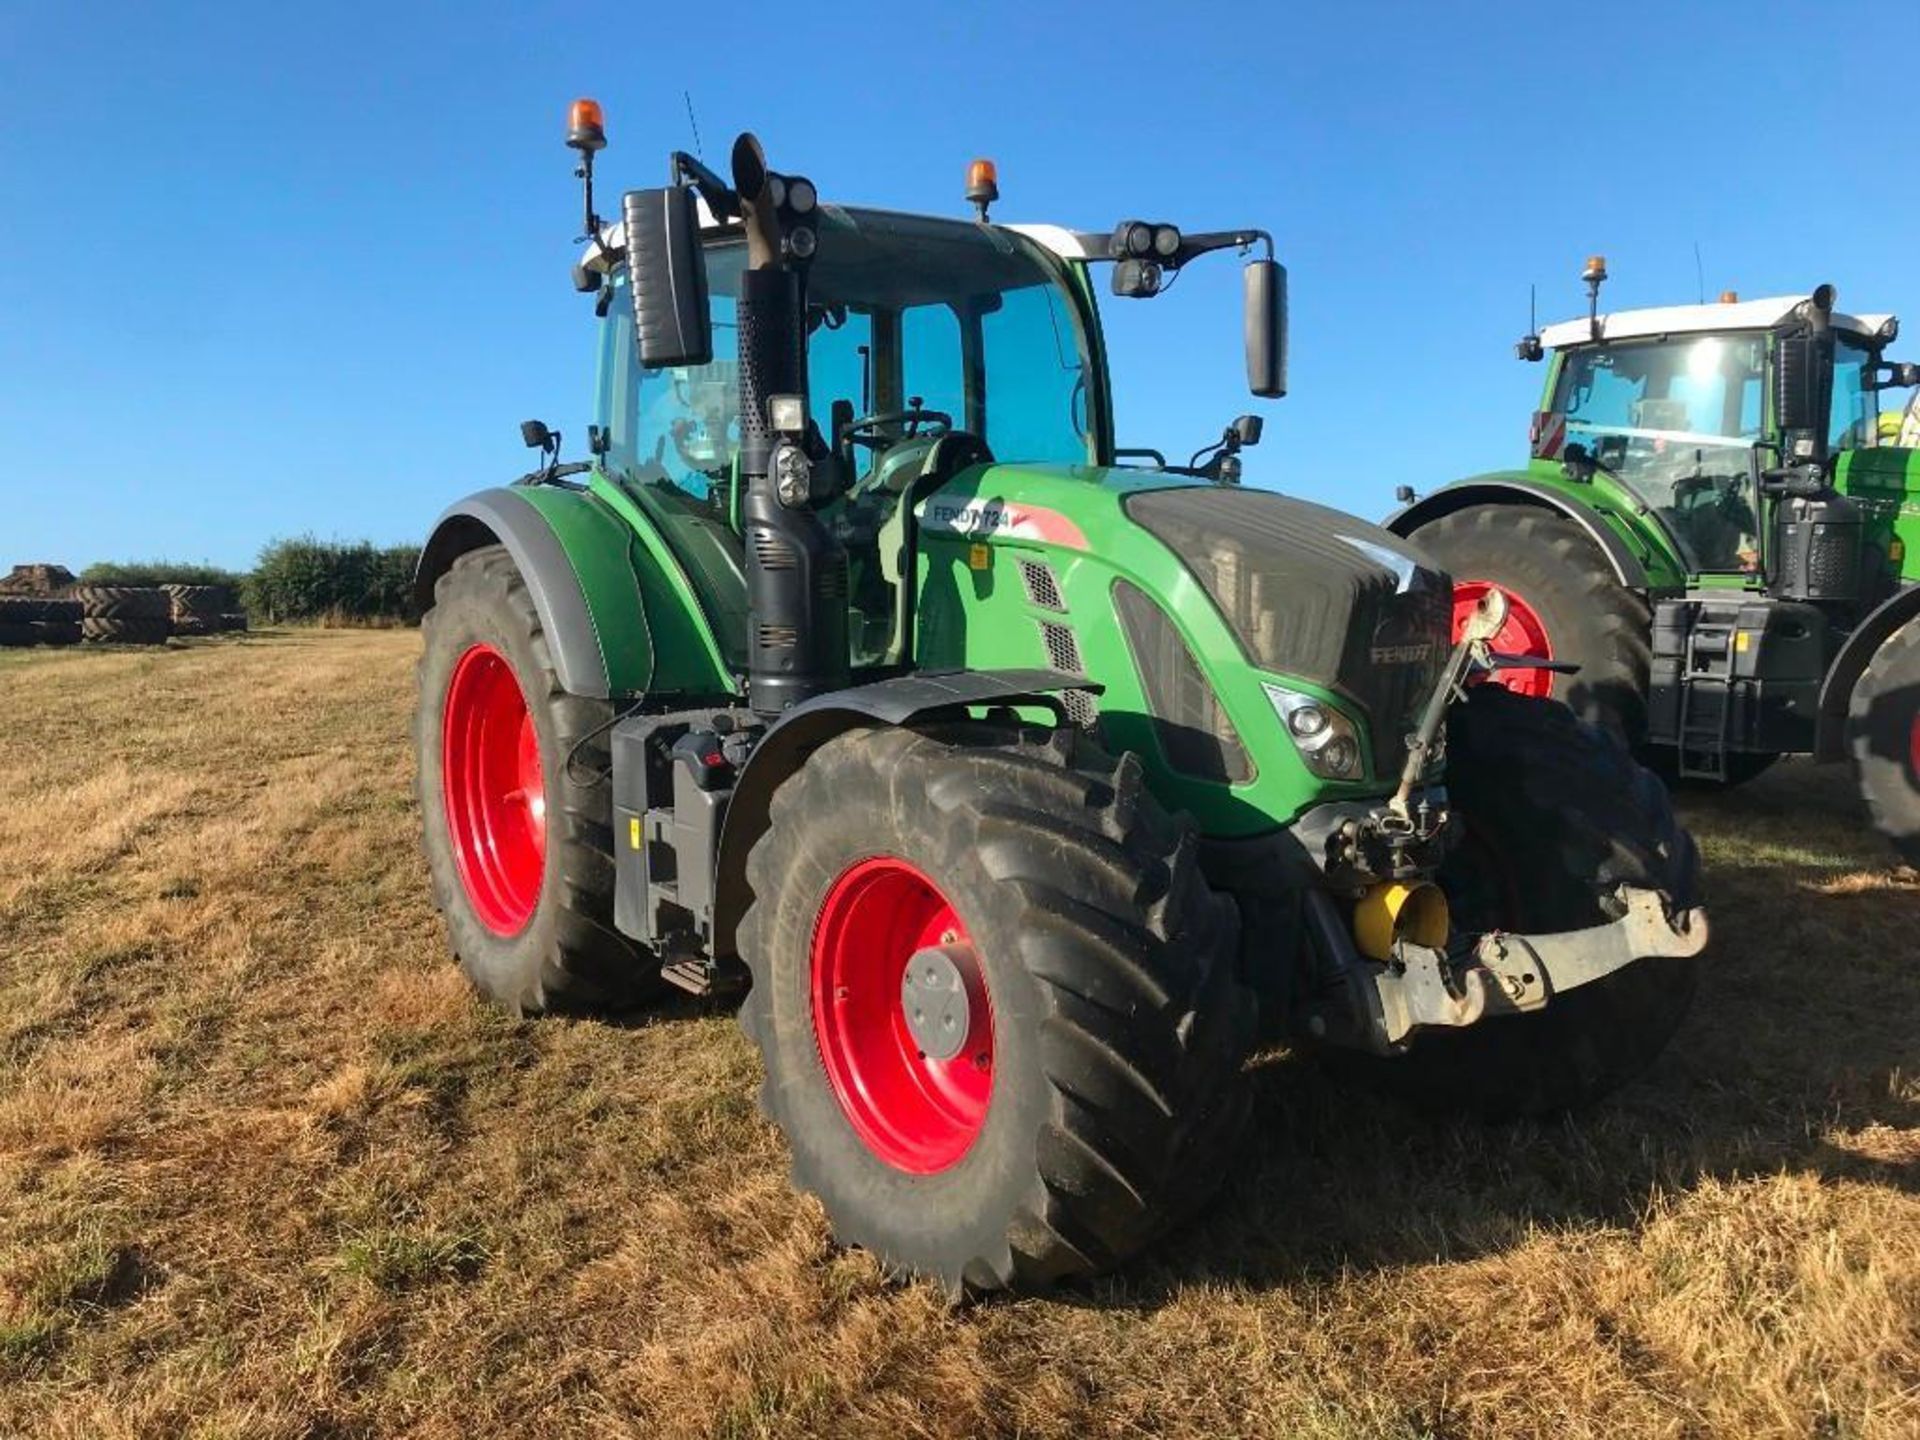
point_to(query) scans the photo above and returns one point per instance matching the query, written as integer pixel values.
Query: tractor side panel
(1885, 483)
(1022, 568)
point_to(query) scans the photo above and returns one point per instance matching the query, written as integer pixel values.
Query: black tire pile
(204, 609)
(32, 620)
(123, 614)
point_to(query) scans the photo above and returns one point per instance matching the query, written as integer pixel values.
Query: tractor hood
(1312, 592)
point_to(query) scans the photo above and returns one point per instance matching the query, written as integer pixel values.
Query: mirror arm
(720, 197)
(1207, 241)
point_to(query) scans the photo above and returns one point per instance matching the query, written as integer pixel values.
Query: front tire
(1883, 736)
(1557, 816)
(1091, 1091)
(1565, 604)
(517, 812)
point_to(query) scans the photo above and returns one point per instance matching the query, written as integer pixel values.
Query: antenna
(1529, 347)
(692, 124)
(1699, 273)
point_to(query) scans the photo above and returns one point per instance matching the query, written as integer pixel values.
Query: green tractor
(1716, 541)
(1021, 788)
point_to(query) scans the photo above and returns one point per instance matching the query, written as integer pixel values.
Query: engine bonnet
(1312, 592)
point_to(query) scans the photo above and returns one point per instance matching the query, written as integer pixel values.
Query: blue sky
(271, 270)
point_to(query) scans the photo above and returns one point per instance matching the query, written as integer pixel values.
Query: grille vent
(1042, 588)
(1063, 651)
(778, 637)
(1082, 709)
(832, 583)
(772, 552)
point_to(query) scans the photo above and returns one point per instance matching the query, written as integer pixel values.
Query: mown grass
(266, 1169)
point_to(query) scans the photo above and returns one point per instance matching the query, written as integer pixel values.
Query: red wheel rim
(916, 1113)
(1913, 749)
(1523, 634)
(495, 796)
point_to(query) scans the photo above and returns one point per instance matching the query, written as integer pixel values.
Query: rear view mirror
(1801, 383)
(1266, 327)
(667, 272)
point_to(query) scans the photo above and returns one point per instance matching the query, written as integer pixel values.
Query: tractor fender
(811, 724)
(612, 603)
(1627, 568)
(500, 517)
(1836, 691)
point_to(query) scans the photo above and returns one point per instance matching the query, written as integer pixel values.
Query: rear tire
(538, 934)
(1883, 736)
(1116, 1027)
(1557, 816)
(1550, 565)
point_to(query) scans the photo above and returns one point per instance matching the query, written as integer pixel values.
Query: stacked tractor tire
(38, 620)
(119, 615)
(123, 614)
(204, 609)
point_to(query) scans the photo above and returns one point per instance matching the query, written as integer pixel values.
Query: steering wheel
(871, 430)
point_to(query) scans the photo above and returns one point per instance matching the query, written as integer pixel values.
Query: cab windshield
(900, 308)
(1675, 421)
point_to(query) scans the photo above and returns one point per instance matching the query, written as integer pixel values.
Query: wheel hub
(933, 996)
(902, 1015)
(1525, 633)
(493, 790)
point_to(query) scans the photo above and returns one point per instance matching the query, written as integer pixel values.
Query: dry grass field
(267, 1170)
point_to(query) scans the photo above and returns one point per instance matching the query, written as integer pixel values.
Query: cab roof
(1693, 319)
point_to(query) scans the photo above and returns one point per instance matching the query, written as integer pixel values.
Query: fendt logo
(1401, 654)
(999, 518)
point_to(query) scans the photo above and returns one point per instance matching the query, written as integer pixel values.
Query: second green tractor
(1022, 781)
(1716, 540)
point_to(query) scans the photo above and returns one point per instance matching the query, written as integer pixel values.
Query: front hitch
(1504, 973)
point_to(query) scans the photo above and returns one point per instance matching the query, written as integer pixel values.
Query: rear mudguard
(618, 614)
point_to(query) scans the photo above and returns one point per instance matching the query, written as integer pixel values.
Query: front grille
(1309, 591)
(1194, 732)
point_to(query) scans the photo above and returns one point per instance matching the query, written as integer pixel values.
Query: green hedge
(158, 572)
(300, 581)
(333, 581)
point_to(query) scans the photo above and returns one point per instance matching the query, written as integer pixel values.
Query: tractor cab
(1672, 406)
(931, 345)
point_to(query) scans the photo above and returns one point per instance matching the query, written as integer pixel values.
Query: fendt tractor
(1019, 787)
(1716, 540)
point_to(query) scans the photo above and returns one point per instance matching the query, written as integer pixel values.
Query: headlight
(1324, 737)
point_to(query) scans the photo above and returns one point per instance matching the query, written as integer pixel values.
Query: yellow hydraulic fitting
(1396, 910)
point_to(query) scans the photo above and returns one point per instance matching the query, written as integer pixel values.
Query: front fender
(806, 727)
(1836, 691)
(1628, 567)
